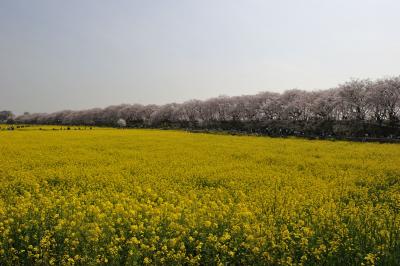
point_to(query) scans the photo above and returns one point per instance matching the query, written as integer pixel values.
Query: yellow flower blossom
(173, 198)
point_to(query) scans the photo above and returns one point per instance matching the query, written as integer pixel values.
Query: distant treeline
(357, 108)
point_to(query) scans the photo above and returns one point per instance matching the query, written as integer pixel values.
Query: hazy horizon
(86, 54)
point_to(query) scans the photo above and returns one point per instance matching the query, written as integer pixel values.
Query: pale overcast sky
(76, 54)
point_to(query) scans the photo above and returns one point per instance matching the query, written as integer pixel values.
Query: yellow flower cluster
(129, 197)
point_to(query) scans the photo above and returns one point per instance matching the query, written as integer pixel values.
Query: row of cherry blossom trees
(370, 106)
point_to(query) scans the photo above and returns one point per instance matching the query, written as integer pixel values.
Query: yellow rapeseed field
(108, 196)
